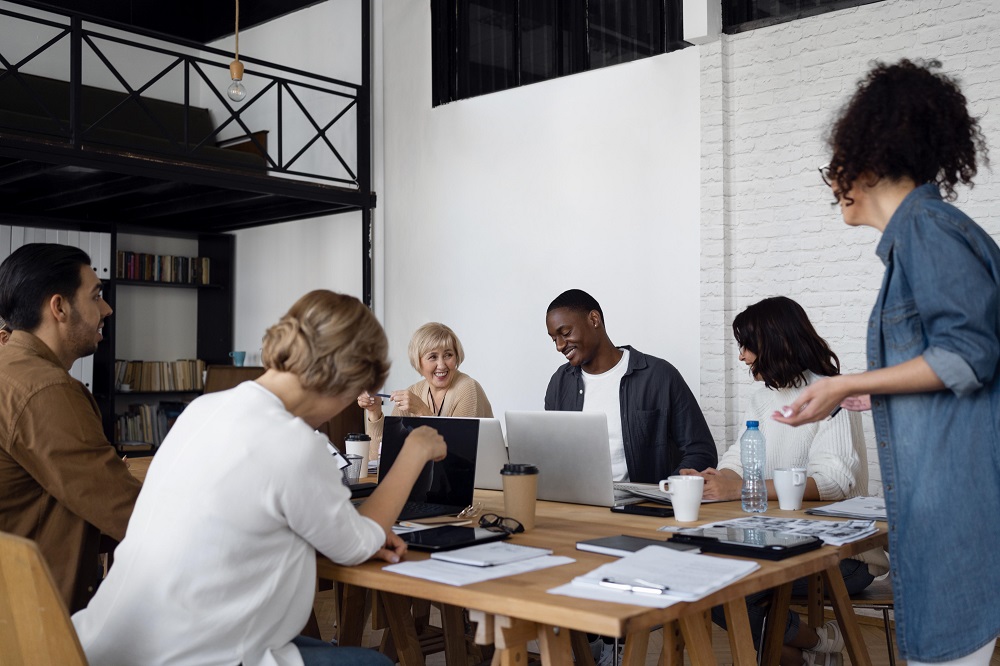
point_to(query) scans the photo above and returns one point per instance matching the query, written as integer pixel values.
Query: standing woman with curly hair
(219, 563)
(933, 355)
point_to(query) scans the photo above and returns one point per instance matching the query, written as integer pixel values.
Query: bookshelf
(160, 323)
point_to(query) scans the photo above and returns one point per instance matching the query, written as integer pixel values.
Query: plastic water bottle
(753, 455)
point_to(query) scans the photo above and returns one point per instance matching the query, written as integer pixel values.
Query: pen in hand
(381, 395)
(836, 410)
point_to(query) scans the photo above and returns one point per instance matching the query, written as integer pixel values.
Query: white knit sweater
(833, 452)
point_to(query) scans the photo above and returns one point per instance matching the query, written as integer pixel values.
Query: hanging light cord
(237, 30)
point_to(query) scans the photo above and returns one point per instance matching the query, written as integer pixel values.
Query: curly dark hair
(905, 120)
(778, 331)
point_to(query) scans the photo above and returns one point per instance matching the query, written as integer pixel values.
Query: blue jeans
(856, 578)
(320, 653)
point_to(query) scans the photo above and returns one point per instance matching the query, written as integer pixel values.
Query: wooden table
(511, 611)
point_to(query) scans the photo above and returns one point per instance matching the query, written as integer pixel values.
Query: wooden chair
(877, 596)
(35, 629)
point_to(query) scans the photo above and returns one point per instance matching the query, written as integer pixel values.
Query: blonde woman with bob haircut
(219, 563)
(435, 352)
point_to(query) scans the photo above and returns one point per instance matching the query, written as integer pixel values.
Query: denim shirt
(940, 451)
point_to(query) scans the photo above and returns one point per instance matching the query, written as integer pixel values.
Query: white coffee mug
(790, 484)
(685, 496)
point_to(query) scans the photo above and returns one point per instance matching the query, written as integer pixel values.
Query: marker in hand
(381, 395)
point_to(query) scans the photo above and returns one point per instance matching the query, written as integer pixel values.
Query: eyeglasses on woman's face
(826, 173)
(495, 523)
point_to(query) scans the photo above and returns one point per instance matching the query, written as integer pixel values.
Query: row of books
(162, 268)
(180, 375)
(144, 424)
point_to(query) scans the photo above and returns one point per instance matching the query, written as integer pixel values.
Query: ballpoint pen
(643, 586)
(836, 410)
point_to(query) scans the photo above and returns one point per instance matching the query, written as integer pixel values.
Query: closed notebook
(491, 554)
(623, 544)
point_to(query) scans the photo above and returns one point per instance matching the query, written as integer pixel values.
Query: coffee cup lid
(357, 437)
(518, 468)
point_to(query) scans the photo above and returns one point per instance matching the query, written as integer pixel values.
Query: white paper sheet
(464, 574)
(605, 594)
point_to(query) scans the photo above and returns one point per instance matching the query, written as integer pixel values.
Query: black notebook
(748, 542)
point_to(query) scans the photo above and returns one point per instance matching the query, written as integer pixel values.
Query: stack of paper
(863, 508)
(658, 577)
(475, 564)
(491, 554)
(834, 533)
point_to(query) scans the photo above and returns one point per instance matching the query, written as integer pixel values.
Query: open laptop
(571, 452)
(492, 455)
(443, 487)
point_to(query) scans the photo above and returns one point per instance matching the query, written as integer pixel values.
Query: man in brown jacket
(61, 482)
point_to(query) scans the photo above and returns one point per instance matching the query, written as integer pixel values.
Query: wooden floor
(326, 613)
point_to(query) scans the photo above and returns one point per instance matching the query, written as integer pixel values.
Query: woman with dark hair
(219, 563)
(933, 355)
(785, 353)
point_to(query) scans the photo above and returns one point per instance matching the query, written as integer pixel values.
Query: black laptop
(445, 487)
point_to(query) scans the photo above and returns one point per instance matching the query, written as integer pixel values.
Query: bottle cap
(753, 424)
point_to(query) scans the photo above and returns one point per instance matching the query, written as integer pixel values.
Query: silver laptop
(492, 455)
(571, 452)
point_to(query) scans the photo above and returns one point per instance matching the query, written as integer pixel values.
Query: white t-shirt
(601, 394)
(219, 562)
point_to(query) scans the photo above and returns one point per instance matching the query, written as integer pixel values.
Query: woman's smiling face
(438, 367)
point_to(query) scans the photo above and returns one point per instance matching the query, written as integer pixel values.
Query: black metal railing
(316, 124)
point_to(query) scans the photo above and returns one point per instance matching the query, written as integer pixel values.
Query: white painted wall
(275, 265)
(768, 97)
(278, 263)
(495, 205)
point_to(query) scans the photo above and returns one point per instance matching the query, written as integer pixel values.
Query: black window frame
(453, 76)
(744, 15)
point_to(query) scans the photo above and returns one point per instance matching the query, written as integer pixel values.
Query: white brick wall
(768, 97)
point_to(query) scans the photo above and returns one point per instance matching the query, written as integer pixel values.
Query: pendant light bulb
(236, 91)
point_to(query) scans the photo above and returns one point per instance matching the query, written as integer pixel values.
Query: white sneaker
(609, 655)
(831, 640)
(822, 658)
(596, 648)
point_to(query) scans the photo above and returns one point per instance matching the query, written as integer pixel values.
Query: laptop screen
(449, 481)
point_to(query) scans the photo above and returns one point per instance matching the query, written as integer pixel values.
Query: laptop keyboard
(413, 510)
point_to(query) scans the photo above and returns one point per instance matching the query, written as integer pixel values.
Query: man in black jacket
(655, 426)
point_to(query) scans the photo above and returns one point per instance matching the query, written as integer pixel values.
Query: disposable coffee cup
(685, 495)
(520, 490)
(790, 484)
(353, 470)
(359, 444)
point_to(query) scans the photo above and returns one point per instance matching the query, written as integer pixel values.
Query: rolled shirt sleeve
(958, 309)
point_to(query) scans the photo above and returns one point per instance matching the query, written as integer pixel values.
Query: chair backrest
(35, 629)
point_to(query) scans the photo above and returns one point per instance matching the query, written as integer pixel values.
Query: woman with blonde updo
(435, 352)
(219, 563)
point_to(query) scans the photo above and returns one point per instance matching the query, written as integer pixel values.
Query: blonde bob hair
(331, 342)
(433, 336)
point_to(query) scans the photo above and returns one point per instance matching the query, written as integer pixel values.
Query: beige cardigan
(465, 397)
